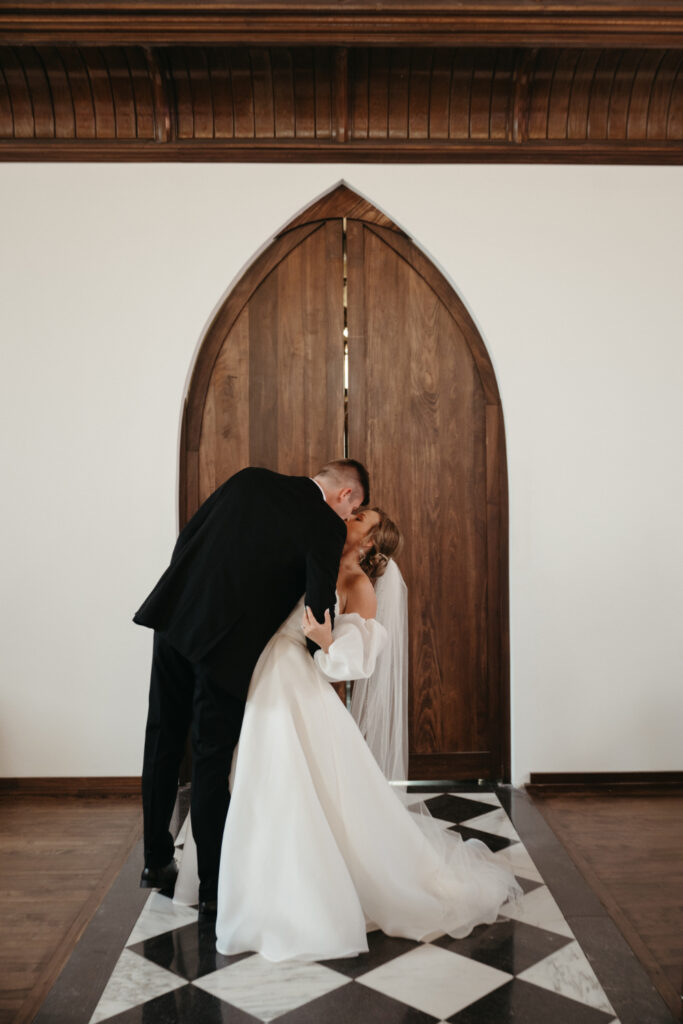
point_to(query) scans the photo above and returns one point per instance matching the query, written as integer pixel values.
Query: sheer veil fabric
(318, 847)
(380, 703)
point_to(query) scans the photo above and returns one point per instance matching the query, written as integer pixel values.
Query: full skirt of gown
(318, 847)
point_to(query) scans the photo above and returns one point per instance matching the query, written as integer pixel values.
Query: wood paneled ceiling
(531, 80)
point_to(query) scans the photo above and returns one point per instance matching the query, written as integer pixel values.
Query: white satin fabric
(317, 845)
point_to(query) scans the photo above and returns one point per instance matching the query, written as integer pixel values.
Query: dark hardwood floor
(58, 857)
(630, 851)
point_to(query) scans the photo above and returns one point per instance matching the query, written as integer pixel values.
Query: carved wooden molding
(623, 23)
(331, 103)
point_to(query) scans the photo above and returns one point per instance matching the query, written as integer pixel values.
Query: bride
(318, 848)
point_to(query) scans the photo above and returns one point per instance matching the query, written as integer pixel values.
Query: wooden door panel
(424, 415)
(417, 417)
(275, 395)
(224, 444)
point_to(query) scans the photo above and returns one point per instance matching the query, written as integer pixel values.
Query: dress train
(318, 847)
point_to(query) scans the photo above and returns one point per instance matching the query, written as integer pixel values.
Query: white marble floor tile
(411, 797)
(538, 908)
(133, 981)
(481, 798)
(445, 825)
(568, 972)
(434, 980)
(519, 861)
(266, 990)
(496, 822)
(160, 914)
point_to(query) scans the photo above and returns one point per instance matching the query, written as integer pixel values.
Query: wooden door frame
(342, 202)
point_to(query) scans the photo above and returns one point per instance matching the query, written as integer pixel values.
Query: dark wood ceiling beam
(526, 23)
(237, 103)
(373, 152)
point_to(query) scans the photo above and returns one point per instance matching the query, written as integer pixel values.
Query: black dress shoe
(207, 910)
(160, 878)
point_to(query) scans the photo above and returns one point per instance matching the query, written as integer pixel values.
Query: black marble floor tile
(510, 946)
(528, 884)
(355, 1004)
(494, 843)
(187, 1005)
(505, 794)
(518, 1002)
(382, 948)
(189, 951)
(457, 808)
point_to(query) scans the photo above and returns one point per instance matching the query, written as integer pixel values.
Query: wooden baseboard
(468, 765)
(601, 783)
(540, 784)
(105, 785)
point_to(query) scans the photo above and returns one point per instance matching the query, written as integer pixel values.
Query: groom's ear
(347, 495)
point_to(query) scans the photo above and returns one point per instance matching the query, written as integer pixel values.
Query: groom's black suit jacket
(238, 568)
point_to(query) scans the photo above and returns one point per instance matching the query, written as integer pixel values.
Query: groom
(238, 568)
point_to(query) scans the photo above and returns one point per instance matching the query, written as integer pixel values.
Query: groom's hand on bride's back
(319, 632)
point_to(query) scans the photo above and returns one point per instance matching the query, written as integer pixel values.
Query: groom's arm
(322, 569)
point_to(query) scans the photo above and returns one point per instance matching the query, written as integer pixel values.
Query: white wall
(108, 276)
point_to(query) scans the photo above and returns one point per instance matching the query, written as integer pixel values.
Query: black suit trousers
(181, 692)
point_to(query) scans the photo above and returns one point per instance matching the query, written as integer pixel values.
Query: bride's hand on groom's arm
(319, 632)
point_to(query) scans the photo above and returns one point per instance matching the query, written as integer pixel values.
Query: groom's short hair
(348, 472)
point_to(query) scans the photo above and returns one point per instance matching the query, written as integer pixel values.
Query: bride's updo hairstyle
(385, 540)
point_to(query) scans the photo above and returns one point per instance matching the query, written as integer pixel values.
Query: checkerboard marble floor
(525, 968)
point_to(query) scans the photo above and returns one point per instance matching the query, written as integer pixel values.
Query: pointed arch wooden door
(424, 414)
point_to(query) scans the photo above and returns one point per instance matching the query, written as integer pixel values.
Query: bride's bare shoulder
(360, 596)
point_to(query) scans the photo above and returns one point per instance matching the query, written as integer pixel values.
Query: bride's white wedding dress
(318, 847)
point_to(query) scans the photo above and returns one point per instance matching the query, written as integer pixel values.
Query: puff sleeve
(354, 649)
